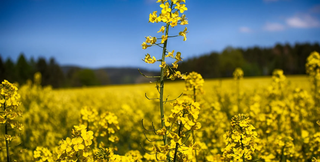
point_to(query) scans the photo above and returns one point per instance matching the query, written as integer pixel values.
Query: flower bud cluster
(185, 112)
(285, 146)
(70, 149)
(313, 70)
(238, 74)
(240, 140)
(313, 64)
(104, 125)
(194, 81)
(83, 145)
(278, 84)
(170, 15)
(9, 104)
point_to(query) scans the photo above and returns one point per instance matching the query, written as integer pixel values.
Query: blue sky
(109, 33)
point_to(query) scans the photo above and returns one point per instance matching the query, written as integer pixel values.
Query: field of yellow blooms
(192, 120)
(278, 122)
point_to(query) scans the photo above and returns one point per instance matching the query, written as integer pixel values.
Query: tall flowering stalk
(171, 11)
(240, 140)
(194, 82)
(9, 103)
(313, 70)
(238, 75)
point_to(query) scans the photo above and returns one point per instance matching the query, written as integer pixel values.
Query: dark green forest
(255, 61)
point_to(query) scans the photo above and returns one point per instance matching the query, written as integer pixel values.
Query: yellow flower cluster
(104, 125)
(149, 60)
(9, 103)
(313, 64)
(70, 149)
(278, 84)
(285, 118)
(9, 110)
(80, 146)
(170, 15)
(278, 76)
(194, 82)
(313, 69)
(238, 74)
(185, 112)
(108, 126)
(178, 127)
(240, 140)
(285, 146)
(50, 115)
(315, 145)
(43, 154)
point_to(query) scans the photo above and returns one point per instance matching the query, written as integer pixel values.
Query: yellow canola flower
(161, 29)
(80, 127)
(178, 1)
(162, 131)
(164, 17)
(163, 64)
(149, 60)
(170, 54)
(238, 74)
(66, 145)
(183, 20)
(161, 1)
(174, 22)
(8, 137)
(193, 81)
(145, 45)
(77, 143)
(8, 94)
(87, 137)
(165, 8)
(164, 38)
(313, 63)
(175, 65)
(151, 40)
(175, 15)
(153, 17)
(184, 34)
(181, 7)
(178, 56)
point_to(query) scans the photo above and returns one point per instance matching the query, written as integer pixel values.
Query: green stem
(243, 158)
(315, 90)
(162, 85)
(282, 154)
(177, 144)
(6, 132)
(194, 138)
(238, 94)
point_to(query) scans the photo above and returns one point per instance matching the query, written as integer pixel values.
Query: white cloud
(273, 27)
(302, 21)
(245, 30)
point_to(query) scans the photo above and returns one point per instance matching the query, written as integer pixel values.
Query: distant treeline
(51, 73)
(254, 61)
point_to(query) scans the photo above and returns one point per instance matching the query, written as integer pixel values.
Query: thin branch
(148, 76)
(150, 98)
(154, 129)
(173, 99)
